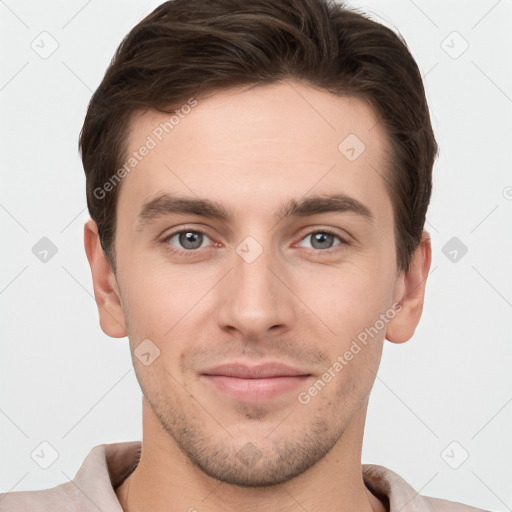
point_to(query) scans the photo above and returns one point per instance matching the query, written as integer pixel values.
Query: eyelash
(193, 252)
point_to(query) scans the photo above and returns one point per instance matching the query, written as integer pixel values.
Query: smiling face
(254, 244)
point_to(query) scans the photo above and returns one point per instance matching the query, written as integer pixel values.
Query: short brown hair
(188, 47)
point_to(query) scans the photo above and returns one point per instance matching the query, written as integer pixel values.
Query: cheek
(146, 304)
(347, 299)
(156, 297)
(164, 308)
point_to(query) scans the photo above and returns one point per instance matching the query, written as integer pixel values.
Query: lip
(260, 371)
(254, 383)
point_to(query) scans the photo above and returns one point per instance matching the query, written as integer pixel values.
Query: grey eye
(322, 240)
(188, 240)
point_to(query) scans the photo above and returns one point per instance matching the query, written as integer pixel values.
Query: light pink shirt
(108, 465)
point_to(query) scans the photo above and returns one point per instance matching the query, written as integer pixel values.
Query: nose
(255, 297)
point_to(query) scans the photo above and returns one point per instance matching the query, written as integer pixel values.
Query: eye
(187, 240)
(324, 239)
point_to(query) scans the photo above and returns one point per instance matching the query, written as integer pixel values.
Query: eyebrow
(166, 204)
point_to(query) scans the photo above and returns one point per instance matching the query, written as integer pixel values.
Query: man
(258, 175)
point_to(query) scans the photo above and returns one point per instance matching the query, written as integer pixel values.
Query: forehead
(257, 146)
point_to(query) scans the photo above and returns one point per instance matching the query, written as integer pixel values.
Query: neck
(166, 480)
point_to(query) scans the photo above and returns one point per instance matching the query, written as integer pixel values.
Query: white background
(65, 382)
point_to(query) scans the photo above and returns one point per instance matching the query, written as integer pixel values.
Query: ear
(106, 291)
(411, 293)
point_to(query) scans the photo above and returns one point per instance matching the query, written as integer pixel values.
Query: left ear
(411, 295)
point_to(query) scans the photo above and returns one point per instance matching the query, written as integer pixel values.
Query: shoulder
(451, 506)
(62, 498)
(105, 466)
(402, 496)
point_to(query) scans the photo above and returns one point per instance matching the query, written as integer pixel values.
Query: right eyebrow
(168, 204)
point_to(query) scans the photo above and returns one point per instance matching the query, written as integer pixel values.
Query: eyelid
(183, 228)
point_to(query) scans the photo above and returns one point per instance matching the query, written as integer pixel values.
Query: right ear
(106, 291)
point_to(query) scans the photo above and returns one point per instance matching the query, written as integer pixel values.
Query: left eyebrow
(335, 203)
(168, 204)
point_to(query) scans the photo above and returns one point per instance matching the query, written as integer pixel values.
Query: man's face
(237, 297)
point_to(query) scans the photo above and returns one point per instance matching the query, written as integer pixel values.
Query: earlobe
(411, 294)
(106, 292)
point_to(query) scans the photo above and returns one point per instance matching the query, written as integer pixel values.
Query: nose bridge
(256, 300)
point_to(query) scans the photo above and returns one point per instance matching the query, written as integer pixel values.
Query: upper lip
(260, 371)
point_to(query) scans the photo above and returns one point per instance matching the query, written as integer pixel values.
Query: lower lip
(255, 390)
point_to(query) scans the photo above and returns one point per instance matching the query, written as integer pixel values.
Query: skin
(296, 303)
